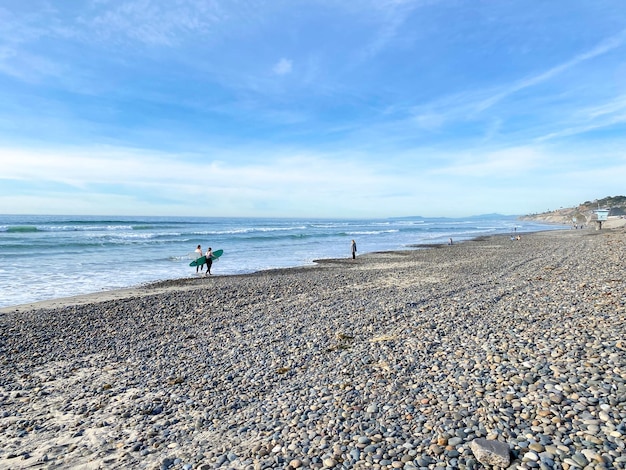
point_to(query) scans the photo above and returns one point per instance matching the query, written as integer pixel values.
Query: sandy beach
(394, 360)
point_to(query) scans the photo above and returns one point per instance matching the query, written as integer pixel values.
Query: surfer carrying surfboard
(199, 259)
(209, 260)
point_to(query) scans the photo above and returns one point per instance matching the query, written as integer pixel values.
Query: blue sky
(325, 108)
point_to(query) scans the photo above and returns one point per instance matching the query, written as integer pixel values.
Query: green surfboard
(200, 261)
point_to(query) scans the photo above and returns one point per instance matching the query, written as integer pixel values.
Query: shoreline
(190, 283)
(398, 360)
(75, 267)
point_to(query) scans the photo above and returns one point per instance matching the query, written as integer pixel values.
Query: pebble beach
(491, 353)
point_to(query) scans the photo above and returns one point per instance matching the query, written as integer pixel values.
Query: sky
(312, 108)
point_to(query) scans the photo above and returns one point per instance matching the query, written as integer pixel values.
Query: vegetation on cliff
(583, 213)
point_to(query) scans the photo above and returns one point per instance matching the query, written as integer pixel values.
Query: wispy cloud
(454, 111)
(605, 46)
(149, 22)
(589, 119)
(615, 106)
(391, 16)
(386, 33)
(505, 163)
(153, 22)
(27, 67)
(584, 128)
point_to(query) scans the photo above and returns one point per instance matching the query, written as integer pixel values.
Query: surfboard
(200, 261)
(216, 254)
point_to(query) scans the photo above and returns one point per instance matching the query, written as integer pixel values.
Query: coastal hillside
(583, 214)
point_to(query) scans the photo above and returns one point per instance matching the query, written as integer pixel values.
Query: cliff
(583, 214)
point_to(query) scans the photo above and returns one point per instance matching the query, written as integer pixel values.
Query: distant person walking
(198, 252)
(353, 249)
(209, 260)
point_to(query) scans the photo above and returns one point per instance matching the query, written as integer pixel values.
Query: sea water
(47, 257)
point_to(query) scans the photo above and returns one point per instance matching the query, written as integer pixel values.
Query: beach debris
(343, 342)
(378, 339)
(491, 452)
(343, 336)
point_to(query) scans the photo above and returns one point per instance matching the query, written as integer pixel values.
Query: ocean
(48, 257)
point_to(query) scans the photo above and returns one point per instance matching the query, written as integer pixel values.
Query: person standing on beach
(209, 260)
(353, 248)
(198, 252)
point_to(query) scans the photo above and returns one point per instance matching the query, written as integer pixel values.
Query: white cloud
(283, 67)
(283, 182)
(292, 177)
